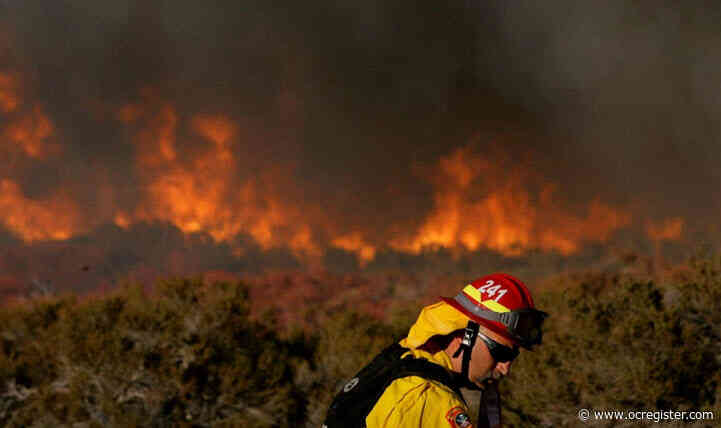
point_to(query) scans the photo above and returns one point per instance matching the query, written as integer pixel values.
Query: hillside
(194, 353)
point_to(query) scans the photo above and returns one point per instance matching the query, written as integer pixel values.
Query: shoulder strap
(427, 370)
(357, 397)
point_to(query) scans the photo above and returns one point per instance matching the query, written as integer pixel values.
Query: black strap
(489, 407)
(427, 370)
(356, 399)
(489, 411)
(470, 334)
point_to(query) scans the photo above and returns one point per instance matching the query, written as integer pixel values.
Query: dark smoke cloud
(633, 89)
(625, 92)
(618, 101)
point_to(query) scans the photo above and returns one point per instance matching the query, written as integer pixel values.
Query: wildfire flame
(55, 218)
(200, 194)
(9, 98)
(482, 204)
(28, 130)
(669, 229)
(477, 203)
(356, 243)
(194, 174)
(30, 133)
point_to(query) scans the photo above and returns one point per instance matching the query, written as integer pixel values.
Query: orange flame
(158, 141)
(55, 218)
(9, 99)
(478, 203)
(122, 219)
(355, 242)
(669, 229)
(199, 194)
(27, 130)
(481, 204)
(31, 133)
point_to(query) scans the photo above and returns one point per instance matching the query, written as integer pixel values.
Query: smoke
(630, 95)
(337, 119)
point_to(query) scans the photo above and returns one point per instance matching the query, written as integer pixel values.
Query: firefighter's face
(483, 368)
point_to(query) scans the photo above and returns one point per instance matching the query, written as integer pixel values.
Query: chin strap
(469, 340)
(489, 412)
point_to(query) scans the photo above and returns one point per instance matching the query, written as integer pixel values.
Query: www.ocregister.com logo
(645, 415)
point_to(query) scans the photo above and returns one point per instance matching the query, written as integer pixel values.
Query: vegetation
(616, 343)
(194, 354)
(190, 356)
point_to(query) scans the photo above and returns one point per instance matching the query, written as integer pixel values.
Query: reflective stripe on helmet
(495, 306)
(524, 325)
(475, 294)
(473, 307)
(472, 292)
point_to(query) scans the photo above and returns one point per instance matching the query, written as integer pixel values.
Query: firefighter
(468, 341)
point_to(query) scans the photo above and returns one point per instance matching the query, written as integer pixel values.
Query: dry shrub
(188, 356)
(193, 355)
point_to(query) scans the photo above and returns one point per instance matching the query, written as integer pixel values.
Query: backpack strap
(357, 397)
(427, 370)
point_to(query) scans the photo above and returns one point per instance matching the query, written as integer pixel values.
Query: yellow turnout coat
(415, 402)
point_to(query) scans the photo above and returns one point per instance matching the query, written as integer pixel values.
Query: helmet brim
(525, 332)
(484, 322)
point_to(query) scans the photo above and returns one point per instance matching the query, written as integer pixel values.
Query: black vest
(358, 396)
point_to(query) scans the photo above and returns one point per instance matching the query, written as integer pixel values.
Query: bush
(342, 346)
(632, 346)
(195, 355)
(189, 356)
